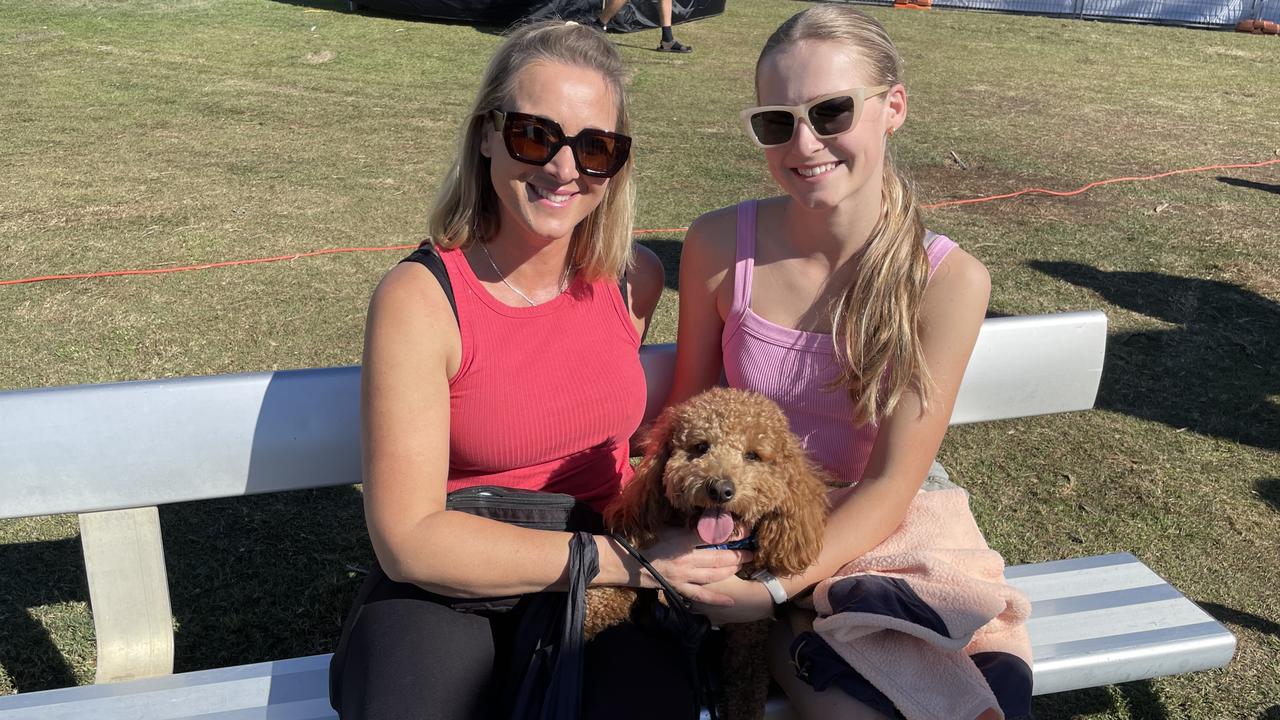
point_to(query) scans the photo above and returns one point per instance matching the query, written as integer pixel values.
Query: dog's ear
(642, 508)
(791, 538)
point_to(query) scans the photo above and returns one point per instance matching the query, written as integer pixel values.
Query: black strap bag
(545, 678)
(545, 681)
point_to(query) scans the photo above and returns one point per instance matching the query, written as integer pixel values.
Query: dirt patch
(152, 56)
(36, 36)
(319, 58)
(1251, 276)
(940, 184)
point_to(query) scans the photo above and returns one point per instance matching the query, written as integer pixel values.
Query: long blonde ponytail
(876, 322)
(876, 325)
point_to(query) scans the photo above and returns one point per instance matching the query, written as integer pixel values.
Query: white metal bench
(112, 453)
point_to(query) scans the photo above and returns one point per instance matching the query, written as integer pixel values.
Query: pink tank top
(546, 397)
(795, 368)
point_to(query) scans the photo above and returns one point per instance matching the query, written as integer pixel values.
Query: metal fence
(1203, 13)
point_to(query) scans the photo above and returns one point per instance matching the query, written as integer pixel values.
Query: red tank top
(546, 397)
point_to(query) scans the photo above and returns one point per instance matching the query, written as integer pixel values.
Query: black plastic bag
(635, 15)
(545, 679)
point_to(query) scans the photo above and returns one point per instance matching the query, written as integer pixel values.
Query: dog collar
(771, 583)
(746, 543)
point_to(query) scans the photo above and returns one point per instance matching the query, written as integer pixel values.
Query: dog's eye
(698, 449)
(751, 455)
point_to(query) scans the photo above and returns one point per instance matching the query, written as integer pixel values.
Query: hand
(691, 571)
(751, 602)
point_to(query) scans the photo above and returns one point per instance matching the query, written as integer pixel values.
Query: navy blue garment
(880, 595)
(818, 664)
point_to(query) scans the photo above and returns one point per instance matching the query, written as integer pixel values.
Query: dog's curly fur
(779, 495)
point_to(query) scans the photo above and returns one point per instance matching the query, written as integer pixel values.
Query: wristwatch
(776, 591)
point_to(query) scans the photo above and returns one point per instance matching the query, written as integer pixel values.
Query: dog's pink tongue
(715, 526)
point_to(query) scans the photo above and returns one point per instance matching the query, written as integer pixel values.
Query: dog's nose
(721, 490)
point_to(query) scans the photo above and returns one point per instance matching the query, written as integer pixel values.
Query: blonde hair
(466, 208)
(876, 322)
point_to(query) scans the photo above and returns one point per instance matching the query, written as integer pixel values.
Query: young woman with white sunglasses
(833, 300)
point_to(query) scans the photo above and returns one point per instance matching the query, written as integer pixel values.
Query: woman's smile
(816, 173)
(556, 198)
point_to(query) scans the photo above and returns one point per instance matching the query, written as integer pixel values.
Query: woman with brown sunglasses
(504, 352)
(834, 300)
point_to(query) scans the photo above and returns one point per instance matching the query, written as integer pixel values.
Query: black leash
(692, 628)
(672, 595)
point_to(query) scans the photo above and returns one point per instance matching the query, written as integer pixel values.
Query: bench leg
(128, 592)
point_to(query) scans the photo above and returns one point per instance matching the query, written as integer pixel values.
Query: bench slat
(1110, 599)
(124, 445)
(317, 709)
(1111, 619)
(1134, 656)
(1104, 573)
(284, 686)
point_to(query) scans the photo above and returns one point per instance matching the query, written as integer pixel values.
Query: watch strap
(771, 583)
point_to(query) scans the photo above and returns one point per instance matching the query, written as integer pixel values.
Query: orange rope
(205, 266)
(654, 231)
(1090, 186)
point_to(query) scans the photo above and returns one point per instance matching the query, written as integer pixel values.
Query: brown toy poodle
(726, 464)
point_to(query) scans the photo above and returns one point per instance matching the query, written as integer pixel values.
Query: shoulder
(410, 296)
(719, 221)
(645, 279)
(959, 289)
(710, 243)
(958, 274)
(718, 227)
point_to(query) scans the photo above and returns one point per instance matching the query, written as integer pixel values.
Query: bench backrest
(99, 447)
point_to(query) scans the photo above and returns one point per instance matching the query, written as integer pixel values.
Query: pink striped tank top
(795, 367)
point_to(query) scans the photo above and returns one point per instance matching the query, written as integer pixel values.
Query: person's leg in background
(611, 8)
(669, 43)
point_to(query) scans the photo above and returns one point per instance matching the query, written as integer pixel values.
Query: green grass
(157, 133)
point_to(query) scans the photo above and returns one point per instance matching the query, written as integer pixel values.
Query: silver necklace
(559, 288)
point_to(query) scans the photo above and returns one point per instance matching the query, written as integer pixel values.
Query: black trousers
(406, 654)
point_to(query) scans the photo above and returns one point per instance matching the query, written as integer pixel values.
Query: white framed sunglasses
(829, 115)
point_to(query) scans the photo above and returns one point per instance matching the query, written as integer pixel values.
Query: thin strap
(744, 257)
(937, 248)
(427, 256)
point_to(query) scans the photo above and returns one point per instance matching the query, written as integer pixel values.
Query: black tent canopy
(636, 15)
